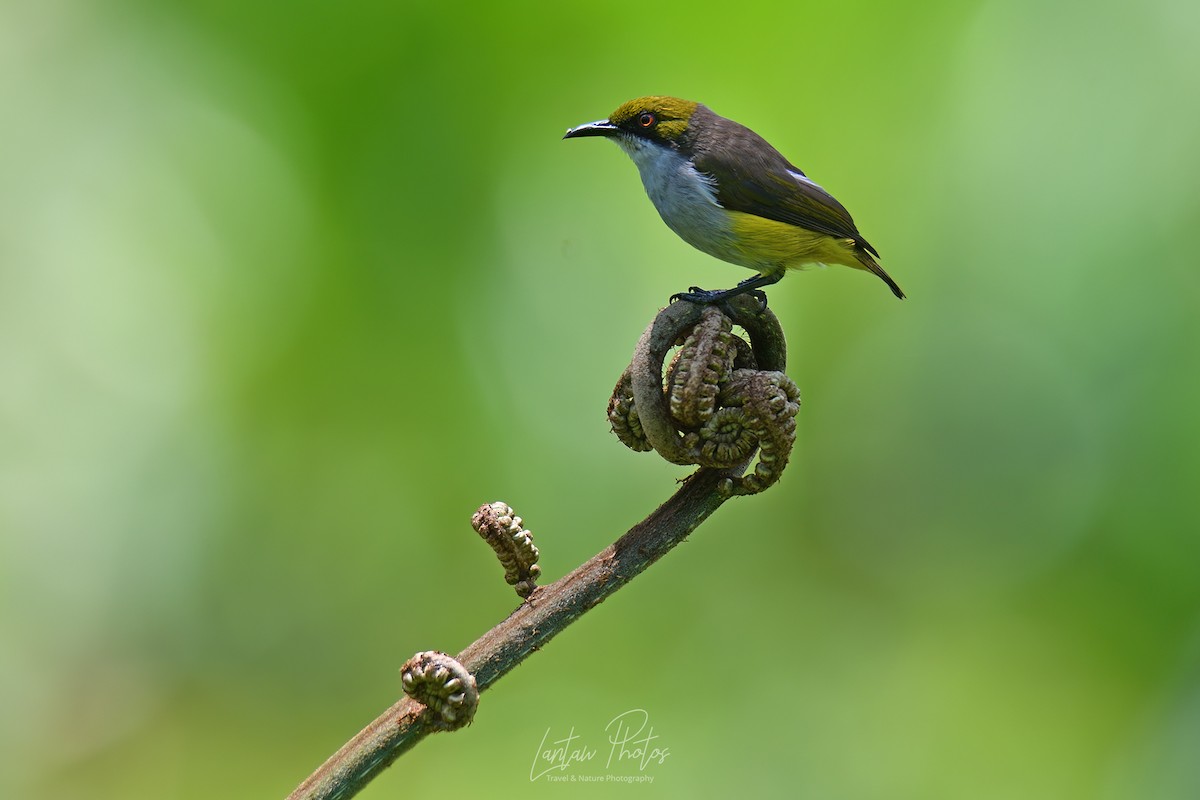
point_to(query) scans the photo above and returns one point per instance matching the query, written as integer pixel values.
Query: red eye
(646, 120)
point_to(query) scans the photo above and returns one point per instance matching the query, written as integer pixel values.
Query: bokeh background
(288, 290)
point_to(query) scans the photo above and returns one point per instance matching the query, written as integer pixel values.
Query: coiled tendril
(438, 681)
(722, 399)
(503, 530)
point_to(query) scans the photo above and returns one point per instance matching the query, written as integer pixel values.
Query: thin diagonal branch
(547, 612)
(763, 405)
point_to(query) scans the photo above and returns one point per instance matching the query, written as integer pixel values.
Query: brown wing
(768, 186)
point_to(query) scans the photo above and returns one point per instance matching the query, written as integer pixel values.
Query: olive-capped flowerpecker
(729, 193)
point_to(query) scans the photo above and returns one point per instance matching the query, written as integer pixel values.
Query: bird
(727, 192)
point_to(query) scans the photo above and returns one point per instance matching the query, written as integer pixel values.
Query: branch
(548, 610)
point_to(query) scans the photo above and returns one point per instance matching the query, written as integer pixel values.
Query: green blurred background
(288, 290)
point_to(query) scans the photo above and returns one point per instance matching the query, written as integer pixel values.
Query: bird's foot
(695, 294)
(708, 297)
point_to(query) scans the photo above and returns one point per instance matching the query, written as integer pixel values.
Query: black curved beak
(599, 128)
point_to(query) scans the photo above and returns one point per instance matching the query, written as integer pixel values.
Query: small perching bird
(727, 192)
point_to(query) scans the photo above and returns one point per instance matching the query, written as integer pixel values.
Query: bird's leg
(707, 298)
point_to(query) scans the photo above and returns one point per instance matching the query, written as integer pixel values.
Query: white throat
(685, 198)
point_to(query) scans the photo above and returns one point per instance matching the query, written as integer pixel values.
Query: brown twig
(550, 609)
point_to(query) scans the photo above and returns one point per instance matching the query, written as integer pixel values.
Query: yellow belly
(770, 246)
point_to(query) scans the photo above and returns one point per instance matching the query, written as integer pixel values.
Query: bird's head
(646, 121)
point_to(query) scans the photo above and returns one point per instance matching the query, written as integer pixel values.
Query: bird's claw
(709, 297)
(696, 295)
